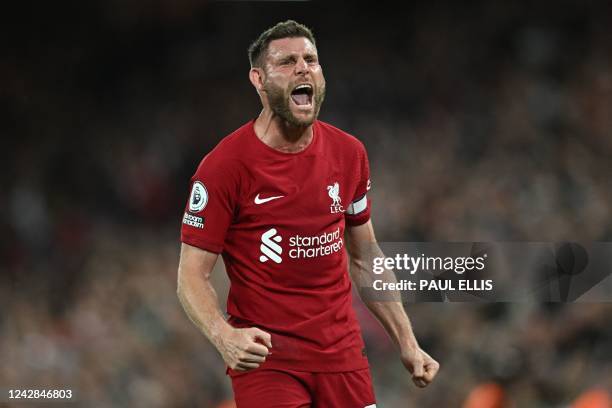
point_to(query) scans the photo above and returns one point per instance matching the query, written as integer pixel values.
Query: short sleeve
(211, 204)
(358, 212)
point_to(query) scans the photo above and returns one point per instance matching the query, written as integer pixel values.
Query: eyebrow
(291, 57)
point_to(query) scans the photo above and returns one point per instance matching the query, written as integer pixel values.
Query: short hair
(285, 29)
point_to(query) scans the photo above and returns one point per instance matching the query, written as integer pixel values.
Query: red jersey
(278, 220)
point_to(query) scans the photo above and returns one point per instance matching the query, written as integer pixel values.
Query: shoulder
(341, 139)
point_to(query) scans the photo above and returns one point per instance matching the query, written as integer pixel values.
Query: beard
(280, 99)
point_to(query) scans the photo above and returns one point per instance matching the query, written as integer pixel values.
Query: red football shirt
(278, 220)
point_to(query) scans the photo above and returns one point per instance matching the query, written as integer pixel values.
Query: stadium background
(483, 121)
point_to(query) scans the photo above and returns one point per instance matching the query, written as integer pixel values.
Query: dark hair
(286, 29)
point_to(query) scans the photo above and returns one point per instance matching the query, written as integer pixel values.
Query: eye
(286, 61)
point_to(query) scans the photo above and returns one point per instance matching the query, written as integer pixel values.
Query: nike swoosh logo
(265, 200)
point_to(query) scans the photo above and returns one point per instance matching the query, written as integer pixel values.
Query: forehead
(288, 46)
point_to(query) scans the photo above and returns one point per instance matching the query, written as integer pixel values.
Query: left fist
(421, 365)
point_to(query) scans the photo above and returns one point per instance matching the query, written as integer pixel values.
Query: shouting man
(283, 199)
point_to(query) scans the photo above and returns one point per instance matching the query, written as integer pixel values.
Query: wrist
(221, 333)
(409, 344)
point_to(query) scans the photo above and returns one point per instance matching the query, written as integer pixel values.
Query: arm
(239, 348)
(362, 246)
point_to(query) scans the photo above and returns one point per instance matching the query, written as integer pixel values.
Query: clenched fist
(421, 365)
(242, 349)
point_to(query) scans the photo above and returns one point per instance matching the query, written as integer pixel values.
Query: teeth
(302, 86)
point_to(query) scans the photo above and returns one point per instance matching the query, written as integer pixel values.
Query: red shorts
(269, 388)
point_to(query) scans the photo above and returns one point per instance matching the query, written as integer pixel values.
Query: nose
(301, 66)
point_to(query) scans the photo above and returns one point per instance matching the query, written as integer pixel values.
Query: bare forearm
(242, 349)
(386, 306)
(201, 305)
(389, 311)
(395, 321)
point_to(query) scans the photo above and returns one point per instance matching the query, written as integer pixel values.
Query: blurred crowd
(483, 121)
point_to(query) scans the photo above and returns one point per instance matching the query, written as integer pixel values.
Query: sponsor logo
(265, 200)
(300, 246)
(327, 243)
(334, 193)
(198, 197)
(269, 246)
(192, 220)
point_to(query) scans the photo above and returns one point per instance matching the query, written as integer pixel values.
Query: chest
(304, 190)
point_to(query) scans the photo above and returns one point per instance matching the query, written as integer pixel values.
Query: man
(278, 198)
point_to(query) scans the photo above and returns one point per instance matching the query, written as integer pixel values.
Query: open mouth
(302, 95)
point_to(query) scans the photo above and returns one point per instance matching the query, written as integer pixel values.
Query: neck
(281, 135)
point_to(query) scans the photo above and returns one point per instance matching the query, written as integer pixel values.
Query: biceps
(195, 263)
(360, 240)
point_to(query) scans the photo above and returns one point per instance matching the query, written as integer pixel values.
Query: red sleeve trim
(204, 244)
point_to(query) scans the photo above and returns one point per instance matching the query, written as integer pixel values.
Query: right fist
(241, 349)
